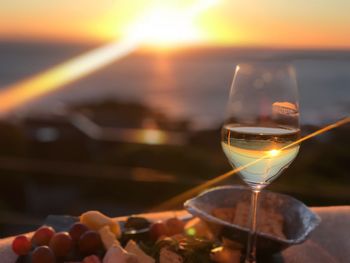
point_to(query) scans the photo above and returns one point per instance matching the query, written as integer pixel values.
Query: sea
(189, 83)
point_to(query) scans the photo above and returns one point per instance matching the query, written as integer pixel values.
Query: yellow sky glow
(295, 23)
(148, 30)
(164, 27)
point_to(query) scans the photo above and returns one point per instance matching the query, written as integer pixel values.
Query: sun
(165, 27)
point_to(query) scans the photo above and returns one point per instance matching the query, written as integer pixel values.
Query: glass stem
(251, 245)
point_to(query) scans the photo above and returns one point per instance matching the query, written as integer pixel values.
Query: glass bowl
(282, 220)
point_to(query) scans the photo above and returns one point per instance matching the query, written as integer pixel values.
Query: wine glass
(261, 130)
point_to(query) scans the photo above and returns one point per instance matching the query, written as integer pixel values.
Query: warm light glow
(273, 152)
(166, 27)
(159, 26)
(129, 135)
(151, 136)
(321, 24)
(27, 90)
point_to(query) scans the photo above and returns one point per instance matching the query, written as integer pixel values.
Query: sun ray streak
(175, 201)
(20, 93)
(50, 80)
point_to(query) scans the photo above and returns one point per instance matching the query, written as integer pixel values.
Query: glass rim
(266, 65)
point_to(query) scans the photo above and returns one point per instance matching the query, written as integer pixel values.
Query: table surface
(329, 243)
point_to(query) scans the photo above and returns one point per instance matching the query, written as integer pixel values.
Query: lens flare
(163, 27)
(166, 27)
(179, 199)
(273, 152)
(20, 93)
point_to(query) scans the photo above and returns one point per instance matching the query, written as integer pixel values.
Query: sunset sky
(297, 23)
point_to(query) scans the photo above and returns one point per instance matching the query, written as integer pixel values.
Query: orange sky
(297, 23)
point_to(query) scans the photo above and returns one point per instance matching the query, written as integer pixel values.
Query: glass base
(256, 186)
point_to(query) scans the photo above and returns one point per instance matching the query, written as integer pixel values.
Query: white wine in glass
(262, 145)
(261, 131)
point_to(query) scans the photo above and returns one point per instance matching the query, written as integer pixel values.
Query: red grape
(90, 242)
(43, 254)
(21, 245)
(157, 230)
(175, 226)
(61, 244)
(42, 236)
(91, 259)
(77, 230)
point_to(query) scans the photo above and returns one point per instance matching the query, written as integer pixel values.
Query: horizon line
(203, 45)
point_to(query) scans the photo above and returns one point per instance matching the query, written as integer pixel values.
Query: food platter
(328, 243)
(206, 235)
(136, 239)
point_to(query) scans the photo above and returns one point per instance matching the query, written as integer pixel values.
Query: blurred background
(117, 105)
